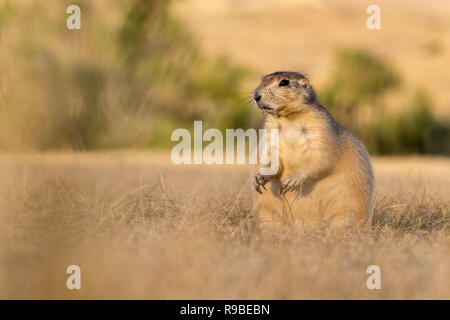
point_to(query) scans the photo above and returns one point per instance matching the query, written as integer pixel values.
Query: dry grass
(140, 228)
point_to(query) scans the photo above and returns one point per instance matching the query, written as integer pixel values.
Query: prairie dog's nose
(256, 96)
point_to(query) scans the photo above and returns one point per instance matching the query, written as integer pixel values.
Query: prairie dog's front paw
(291, 182)
(260, 181)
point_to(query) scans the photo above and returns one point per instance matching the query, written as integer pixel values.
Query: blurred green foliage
(358, 78)
(357, 87)
(128, 78)
(416, 131)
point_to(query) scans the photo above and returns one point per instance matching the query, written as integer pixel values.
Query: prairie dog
(325, 174)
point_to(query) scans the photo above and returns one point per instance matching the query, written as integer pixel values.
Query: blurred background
(138, 69)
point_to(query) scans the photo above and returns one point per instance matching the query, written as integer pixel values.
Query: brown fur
(325, 169)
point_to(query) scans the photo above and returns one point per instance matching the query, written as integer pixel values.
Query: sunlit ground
(140, 227)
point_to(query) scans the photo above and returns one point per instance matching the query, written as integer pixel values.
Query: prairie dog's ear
(304, 83)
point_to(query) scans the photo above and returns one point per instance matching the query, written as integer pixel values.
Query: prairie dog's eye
(284, 82)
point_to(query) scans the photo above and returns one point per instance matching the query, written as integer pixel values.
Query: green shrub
(129, 77)
(360, 81)
(358, 78)
(414, 131)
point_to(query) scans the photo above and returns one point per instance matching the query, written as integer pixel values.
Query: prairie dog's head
(284, 93)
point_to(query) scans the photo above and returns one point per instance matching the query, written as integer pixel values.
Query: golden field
(139, 227)
(303, 36)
